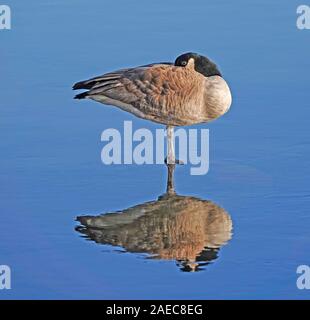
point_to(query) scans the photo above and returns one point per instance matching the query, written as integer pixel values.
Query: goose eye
(184, 63)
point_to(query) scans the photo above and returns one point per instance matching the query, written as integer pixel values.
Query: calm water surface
(245, 224)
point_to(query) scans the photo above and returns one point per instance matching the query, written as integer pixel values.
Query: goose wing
(159, 92)
(115, 75)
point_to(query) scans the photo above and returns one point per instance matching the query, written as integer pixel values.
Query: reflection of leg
(170, 181)
(170, 160)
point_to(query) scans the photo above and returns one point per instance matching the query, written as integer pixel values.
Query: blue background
(50, 167)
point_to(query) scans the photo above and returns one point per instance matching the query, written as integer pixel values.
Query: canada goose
(190, 91)
(174, 227)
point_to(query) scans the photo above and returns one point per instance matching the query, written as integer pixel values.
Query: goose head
(200, 63)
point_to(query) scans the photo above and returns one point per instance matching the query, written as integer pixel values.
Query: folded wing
(159, 92)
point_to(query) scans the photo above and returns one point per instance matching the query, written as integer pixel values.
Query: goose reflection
(182, 228)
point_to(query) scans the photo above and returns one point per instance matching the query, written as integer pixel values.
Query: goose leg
(170, 160)
(170, 145)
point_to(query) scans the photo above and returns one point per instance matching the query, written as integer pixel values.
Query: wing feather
(159, 92)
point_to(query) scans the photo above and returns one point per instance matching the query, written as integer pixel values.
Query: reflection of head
(185, 229)
(204, 258)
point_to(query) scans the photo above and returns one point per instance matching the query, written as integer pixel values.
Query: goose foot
(176, 161)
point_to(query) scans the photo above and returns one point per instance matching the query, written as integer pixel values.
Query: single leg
(170, 160)
(170, 145)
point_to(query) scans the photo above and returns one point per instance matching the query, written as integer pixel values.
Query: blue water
(50, 167)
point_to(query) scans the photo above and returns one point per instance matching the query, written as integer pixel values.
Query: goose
(187, 229)
(189, 91)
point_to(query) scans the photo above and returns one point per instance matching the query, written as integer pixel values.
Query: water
(51, 173)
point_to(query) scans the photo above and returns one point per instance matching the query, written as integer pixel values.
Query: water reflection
(182, 228)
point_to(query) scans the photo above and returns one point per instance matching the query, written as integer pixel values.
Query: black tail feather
(82, 95)
(87, 84)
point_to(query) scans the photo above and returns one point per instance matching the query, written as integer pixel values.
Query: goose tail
(82, 95)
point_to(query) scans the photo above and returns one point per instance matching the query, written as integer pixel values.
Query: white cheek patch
(191, 63)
